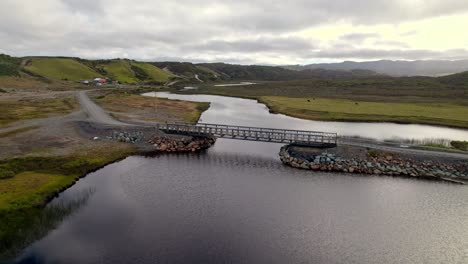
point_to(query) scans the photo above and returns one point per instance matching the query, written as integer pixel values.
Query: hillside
(148, 72)
(60, 68)
(188, 70)
(135, 72)
(75, 69)
(271, 73)
(394, 68)
(456, 79)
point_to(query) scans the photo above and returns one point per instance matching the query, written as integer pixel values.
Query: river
(237, 111)
(236, 203)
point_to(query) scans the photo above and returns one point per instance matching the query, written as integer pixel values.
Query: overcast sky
(237, 31)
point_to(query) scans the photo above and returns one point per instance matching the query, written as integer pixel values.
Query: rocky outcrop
(185, 144)
(385, 165)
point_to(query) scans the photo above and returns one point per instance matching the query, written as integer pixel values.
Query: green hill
(455, 79)
(119, 70)
(188, 70)
(61, 69)
(132, 72)
(151, 72)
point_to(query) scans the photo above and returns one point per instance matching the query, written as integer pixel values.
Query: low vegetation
(17, 131)
(460, 145)
(350, 110)
(12, 111)
(130, 106)
(9, 66)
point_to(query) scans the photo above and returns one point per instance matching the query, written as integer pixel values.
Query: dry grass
(16, 110)
(19, 82)
(137, 107)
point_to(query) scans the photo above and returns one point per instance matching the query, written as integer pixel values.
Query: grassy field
(134, 106)
(12, 111)
(447, 114)
(413, 100)
(61, 69)
(20, 82)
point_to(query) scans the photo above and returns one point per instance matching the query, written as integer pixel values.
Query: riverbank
(355, 102)
(367, 161)
(27, 184)
(46, 151)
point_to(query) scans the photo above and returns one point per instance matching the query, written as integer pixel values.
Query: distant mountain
(394, 68)
(455, 79)
(137, 72)
(271, 73)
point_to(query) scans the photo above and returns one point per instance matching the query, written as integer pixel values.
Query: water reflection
(236, 207)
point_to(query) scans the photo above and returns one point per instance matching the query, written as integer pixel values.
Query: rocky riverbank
(383, 164)
(182, 144)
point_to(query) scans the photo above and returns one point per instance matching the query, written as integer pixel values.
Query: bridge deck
(301, 137)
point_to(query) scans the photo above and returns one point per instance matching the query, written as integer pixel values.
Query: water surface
(237, 203)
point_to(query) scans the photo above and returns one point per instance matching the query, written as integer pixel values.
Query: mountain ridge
(396, 68)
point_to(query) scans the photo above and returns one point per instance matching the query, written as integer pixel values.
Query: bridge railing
(251, 133)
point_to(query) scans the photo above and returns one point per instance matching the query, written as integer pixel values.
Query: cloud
(413, 54)
(359, 37)
(254, 31)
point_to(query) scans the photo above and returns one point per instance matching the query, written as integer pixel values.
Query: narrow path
(198, 78)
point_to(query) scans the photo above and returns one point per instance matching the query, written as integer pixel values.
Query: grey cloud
(413, 54)
(396, 44)
(263, 44)
(208, 30)
(359, 37)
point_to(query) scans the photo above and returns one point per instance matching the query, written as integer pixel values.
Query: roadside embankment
(375, 163)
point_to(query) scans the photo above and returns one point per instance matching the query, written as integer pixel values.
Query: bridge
(288, 136)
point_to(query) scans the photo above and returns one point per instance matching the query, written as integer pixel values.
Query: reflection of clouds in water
(247, 112)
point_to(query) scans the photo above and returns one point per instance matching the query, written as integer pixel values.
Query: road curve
(96, 113)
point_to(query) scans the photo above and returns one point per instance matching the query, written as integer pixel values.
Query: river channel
(237, 203)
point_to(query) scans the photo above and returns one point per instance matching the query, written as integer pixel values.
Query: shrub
(461, 145)
(6, 173)
(79, 165)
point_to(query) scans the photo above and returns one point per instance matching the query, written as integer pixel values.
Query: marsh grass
(12, 111)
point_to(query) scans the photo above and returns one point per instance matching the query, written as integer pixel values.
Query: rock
(315, 167)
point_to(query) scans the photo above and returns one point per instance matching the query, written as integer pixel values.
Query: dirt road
(96, 113)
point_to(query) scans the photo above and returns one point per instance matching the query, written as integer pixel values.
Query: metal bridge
(299, 137)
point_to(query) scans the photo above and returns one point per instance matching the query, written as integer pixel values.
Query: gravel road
(96, 113)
